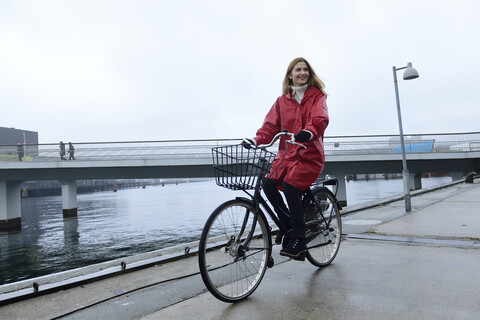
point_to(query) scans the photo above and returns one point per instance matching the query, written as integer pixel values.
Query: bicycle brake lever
(296, 143)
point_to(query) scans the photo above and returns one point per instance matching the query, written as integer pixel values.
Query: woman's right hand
(248, 143)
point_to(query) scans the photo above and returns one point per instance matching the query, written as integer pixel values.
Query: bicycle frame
(258, 200)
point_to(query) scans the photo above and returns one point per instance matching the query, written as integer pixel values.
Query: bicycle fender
(245, 199)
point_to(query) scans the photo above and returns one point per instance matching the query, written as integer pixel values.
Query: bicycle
(235, 246)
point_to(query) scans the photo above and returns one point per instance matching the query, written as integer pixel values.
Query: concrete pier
(10, 206)
(391, 265)
(69, 198)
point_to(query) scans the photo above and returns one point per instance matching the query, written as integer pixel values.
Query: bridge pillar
(342, 189)
(10, 206)
(69, 198)
(457, 175)
(415, 181)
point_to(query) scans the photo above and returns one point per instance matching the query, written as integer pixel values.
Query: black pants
(296, 222)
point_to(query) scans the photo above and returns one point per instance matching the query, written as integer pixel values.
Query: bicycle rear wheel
(323, 227)
(230, 270)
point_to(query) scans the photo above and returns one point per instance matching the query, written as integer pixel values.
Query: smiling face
(300, 74)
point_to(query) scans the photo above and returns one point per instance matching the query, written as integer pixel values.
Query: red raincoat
(294, 165)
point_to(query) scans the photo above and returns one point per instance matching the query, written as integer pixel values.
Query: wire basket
(237, 168)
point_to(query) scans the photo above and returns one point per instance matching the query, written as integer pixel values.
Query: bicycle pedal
(299, 257)
(270, 262)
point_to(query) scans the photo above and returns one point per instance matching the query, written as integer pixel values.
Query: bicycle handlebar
(277, 136)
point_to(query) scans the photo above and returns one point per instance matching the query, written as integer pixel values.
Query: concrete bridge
(456, 154)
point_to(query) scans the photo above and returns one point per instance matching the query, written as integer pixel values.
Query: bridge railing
(104, 151)
(387, 144)
(201, 149)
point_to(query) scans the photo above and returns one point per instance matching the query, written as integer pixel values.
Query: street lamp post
(409, 74)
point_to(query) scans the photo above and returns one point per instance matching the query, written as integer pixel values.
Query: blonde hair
(313, 79)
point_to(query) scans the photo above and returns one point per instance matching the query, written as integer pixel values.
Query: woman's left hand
(303, 136)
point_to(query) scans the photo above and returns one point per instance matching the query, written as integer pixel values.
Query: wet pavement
(391, 265)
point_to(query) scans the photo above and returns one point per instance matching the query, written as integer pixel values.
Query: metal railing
(105, 151)
(201, 149)
(415, 143)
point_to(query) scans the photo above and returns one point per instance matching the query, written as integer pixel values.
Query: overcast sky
(85, 71)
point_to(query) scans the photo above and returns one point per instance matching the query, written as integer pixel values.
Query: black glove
(248, 143)
(303, 136)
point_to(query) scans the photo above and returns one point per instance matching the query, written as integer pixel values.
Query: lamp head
(410, 73)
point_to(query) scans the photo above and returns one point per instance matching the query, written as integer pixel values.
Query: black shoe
(296, 249)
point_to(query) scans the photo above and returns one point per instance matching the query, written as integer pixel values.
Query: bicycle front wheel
(232, 269)
(323, 226)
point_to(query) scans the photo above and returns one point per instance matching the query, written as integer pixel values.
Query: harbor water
(112, 225)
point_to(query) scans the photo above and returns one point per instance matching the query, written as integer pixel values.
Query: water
(112, 225)
(364, 191)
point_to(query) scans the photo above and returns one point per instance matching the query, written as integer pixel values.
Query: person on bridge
(62, 151)
(71, 151)
(302, 109)
(20, 151)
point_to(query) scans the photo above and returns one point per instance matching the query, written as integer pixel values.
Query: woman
(301, 109)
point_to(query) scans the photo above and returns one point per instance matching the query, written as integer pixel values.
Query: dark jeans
(296, 222)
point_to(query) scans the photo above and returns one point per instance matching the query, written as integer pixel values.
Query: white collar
(298, 92)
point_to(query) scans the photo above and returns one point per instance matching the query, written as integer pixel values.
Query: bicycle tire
(325, 232)
(230, 272)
